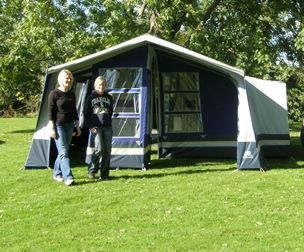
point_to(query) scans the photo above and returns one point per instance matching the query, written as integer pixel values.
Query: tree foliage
(265, 38)
(35, 35)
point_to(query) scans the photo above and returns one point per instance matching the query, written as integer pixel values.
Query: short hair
(62, 73)
(100, 78)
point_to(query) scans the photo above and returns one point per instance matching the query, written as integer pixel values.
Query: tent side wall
(39, 154)
(268, 107)
(248, 155)
(217, 108)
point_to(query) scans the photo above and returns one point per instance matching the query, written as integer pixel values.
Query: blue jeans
(101, 156)
(62, 163)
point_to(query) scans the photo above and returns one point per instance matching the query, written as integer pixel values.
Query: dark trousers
(101, 156)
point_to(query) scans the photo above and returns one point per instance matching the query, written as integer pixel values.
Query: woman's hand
(52, 129)
(78, 131)
(53, 133)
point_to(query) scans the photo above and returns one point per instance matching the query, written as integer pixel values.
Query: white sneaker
(58, 178)
(69, 182)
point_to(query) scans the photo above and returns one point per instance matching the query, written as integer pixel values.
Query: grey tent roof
(89, 60)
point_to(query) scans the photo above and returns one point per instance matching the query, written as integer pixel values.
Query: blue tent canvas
(182, 102)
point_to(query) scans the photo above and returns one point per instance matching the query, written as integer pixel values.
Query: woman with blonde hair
(63, 117)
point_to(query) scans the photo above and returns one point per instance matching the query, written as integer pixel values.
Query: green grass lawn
(177, 205)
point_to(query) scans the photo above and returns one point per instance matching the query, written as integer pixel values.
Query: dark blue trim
(124, 161)
(272, 137)
(186, 137)
(198, 152)
(126, 142)
(182, 112)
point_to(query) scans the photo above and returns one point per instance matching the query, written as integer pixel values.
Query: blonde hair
(100, 78)
(62, 74)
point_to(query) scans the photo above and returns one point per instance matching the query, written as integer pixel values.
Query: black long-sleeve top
(98, 110)
(62, 106)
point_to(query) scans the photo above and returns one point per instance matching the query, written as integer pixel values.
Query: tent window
(126, 102)
(183, 123)
(182, 102)
(177, 102)
(118, 78)
(124, 84)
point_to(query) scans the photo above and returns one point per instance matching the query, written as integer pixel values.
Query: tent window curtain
(124, 84)
(81, 92)
(182, 102)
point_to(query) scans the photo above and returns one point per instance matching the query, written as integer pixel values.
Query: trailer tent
(185, 103)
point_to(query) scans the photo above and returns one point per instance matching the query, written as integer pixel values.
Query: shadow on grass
(288, 163)
(295, 161)
(23, 131)
(184, 172)
(184, 162)
(87, 181)
(2, 142)
(196, 166)
(145, 175)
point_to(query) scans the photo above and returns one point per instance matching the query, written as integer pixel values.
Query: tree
(265, 38)
(37, 34)
(262, 37)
